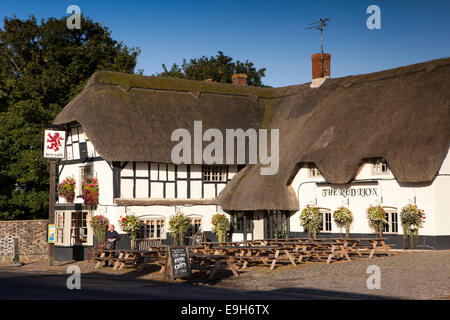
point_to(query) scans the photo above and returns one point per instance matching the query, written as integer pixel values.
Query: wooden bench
(144, 244)
(373, 247)
(105, 255)
(93, 252)
(211, 263)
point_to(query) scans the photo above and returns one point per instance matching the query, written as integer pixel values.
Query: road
(29, 286)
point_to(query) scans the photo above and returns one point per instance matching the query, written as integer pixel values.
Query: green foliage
(221, 225)
(377, 219)
(219, 68)
(99, 225)
(344, 219)
(178, 225)
(131, 225)
(42, 67)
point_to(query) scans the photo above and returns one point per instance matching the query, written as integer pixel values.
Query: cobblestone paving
(414, 275)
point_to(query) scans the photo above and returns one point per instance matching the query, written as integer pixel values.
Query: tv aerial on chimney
(319, 25)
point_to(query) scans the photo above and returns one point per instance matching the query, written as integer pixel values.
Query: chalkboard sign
(198, 238)
(179, 262)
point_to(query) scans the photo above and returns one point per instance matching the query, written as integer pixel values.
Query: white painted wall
(433, 198)
(167, 173)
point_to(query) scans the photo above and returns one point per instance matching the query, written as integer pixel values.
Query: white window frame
(380, 167)
(214, 173)
(82, 177)
(60, 227)
(193, 219)
(66, 226)
(326, 212)
(391, 212)
(156, 222)
(85, 228)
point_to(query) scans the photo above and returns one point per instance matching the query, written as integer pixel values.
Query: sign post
(54, 148)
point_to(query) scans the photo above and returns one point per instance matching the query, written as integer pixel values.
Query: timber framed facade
(352, 141)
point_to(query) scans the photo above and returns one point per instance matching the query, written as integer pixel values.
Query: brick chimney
(317, 76)
(239, 79)
(317, 65)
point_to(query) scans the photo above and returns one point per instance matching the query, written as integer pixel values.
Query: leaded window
(214, 173)
(152, 229)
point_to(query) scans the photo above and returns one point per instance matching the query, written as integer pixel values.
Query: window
(196, 225)
(277, 224)
(237, 221)
(79, 229)
(84, 174)
(313, 172)
(152, 229)
(214, 173)
(380, 166)
(326, 220)
(59, 227)
(392, 219)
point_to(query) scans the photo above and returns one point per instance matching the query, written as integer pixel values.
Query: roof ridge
(427, 66)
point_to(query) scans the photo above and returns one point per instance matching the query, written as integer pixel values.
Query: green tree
(219, 68)
(42, 67)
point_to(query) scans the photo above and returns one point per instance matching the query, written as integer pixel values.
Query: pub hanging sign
(54, 144)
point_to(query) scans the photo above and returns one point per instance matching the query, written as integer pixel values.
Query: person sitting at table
(111, 238)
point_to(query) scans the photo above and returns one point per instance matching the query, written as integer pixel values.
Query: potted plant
(221, 225)
(66, 189)
(130, 224)
(343, 217)
(90, 192)
(178, 224)
(311, 220)
(412, 219)
(99, 225)
(377, 219)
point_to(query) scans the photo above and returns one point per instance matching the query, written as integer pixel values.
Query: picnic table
(211, 263)
(369, 246)
(354, 246)
(236, 256)
(243, 255)
(122, 257)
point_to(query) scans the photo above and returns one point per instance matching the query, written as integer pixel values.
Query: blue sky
(271, 34)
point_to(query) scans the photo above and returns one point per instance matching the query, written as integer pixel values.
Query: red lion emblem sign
(54, 144)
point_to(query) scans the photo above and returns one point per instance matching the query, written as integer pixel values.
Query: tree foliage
(42, 67)
(219, 68)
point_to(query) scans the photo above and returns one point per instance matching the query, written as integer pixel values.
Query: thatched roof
(401, 115)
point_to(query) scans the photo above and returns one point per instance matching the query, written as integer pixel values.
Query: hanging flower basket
(412, 219)
(343, 217)
(221, 224)
(66, 189)
(377, 219)
(311, 220)
(178, 224)
(90, 192)
(130, 224)
(99, 225)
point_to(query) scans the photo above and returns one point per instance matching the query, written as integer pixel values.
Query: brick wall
(32, 235)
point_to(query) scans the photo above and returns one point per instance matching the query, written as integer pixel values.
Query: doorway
(276, 224)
